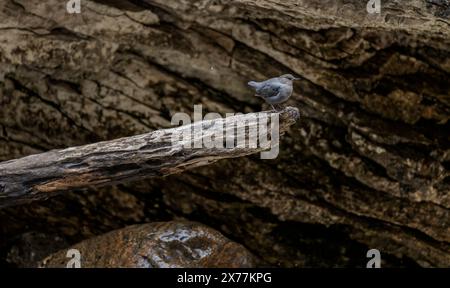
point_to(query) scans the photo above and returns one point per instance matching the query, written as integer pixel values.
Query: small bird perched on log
(275, 90)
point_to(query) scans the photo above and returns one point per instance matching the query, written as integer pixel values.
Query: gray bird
(275, 90)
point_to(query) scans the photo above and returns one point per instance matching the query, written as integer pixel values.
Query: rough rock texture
(28, 249)
(157, 245)
(367, 167)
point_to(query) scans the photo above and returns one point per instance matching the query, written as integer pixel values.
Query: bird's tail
(253, 84)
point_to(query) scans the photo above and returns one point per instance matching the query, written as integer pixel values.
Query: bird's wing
(268, 90)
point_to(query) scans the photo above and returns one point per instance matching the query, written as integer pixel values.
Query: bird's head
(289, 77)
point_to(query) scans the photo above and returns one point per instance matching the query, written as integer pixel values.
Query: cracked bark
(368, 167)
(158, 153)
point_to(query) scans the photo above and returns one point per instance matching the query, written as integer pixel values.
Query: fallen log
(158, 153)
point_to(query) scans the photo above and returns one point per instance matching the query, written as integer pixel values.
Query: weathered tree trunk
(367, 167)
(158, 153)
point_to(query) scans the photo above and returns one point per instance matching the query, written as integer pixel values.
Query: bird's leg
(275, 107)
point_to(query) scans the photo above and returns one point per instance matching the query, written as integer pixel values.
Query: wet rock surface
(158, 245)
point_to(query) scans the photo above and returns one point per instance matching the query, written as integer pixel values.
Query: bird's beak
(296, 78)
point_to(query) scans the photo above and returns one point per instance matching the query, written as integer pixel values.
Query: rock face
(28, 249)
(157, 245)
(368, 166)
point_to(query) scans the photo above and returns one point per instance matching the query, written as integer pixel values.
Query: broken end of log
(289, 115)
